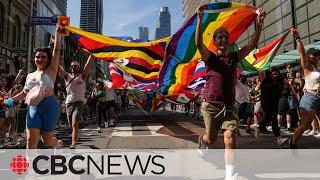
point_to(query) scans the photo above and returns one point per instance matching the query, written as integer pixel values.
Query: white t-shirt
(111, 94)
(76, 89)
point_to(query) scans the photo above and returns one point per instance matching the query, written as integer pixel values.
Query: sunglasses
(74, 66)
(38, 57)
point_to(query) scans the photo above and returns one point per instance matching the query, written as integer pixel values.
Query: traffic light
(63, 21)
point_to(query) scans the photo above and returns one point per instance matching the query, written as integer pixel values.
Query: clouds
(132, 16)
(123, 17)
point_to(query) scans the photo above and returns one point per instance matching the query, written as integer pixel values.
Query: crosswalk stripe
(122, 129)
(154, 127)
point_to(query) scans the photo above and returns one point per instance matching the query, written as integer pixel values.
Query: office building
(163, 28)
(91, 16)
(144, 33)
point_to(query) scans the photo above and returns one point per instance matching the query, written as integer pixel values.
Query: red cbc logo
(19, 164)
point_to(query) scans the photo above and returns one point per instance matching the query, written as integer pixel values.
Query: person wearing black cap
(310, 101)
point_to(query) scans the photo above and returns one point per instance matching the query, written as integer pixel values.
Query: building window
(1, 22)
(16, 34)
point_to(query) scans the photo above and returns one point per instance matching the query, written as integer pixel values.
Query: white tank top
(312, 81)
(76, 89)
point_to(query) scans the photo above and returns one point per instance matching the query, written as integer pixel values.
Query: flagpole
(30, 40)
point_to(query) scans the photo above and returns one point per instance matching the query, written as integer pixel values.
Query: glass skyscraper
(281, 16)
(144, 33)
(91, 18)
(164, 24)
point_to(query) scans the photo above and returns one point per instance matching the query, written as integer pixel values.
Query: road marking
(287, 175)
(122, 129)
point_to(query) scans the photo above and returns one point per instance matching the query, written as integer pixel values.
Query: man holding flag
(219, 94)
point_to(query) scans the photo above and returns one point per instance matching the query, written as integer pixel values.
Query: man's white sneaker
(233, 177)
(202, 148)
(99, 130)
(106, 124)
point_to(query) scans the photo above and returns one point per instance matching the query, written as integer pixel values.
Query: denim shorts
(310, 102)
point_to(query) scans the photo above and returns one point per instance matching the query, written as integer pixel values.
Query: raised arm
(63, 73)
(244, 51)
(54, 66)
(18, 77)
(301, 50)
(87, 67)
(204, 52)
(21, 95)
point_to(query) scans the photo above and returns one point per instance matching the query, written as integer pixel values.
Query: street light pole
(30, 40)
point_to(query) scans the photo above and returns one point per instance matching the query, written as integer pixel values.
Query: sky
(123, 17)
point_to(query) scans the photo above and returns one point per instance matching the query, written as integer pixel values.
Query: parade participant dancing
(310, 101)
(76, 89)
(44, 110)
(219, 95)
(99, 94)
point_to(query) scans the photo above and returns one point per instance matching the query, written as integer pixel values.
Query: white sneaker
(106, 124)
(60, 144)
(111, 122)
(282, 141)
(269, 128)
(233, 177)
(99, 129)
(317, 136)
(313, 133)
(306, 133)
(253, 126)
(202, 148)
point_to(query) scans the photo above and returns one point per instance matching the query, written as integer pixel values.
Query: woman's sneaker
(317, 136)
(307, 132)
(60, 144)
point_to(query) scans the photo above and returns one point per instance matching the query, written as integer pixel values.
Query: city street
(135, 130)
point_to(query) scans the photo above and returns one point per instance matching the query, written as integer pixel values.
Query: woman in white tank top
(310, 101)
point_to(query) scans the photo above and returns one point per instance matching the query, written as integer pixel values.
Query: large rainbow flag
(148, 102)
(141, 60)
(182, 54)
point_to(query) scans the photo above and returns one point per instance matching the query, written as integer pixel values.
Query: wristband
(297, 38)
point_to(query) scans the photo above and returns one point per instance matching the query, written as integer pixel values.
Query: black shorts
(2, 114)
(283, 106)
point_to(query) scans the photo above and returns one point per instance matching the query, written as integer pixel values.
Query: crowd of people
(273, 99)
(43, 96)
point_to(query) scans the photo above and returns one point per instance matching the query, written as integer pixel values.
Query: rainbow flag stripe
(182, 54)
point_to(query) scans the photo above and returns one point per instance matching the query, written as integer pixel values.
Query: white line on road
(287, 175)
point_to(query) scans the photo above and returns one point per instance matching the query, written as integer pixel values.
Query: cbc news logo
(19, 164)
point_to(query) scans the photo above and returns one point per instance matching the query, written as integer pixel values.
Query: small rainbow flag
(260, 59)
